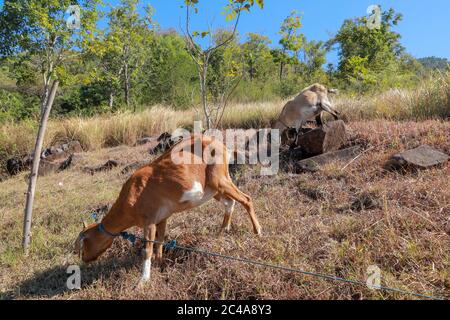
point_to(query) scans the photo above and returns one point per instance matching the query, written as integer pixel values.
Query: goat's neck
(117, 219)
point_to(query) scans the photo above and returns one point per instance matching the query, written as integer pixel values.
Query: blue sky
(425, 28)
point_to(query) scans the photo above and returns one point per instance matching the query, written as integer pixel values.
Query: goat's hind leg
(149, 237)
(229, 208)
(229, 190)
(160, 233)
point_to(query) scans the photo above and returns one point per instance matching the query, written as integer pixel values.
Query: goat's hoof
(223, 230)
(159, 261)
(142, 283)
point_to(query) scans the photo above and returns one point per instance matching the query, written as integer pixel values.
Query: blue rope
(172, 244)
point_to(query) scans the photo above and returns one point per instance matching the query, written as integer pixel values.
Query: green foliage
(15, 106)
(291, 39)
(131, 61)
(170, 77)
(371, 58)
(435, 63)
(258, 60)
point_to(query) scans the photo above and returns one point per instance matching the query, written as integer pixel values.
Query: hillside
(434, 63)
(310, 221)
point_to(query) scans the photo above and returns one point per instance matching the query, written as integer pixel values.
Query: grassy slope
(307, 223)
(430, 100)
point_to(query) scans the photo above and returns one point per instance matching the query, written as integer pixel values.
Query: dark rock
(18, 164)
(47, 167)
(108, 165)
(314, 193)
(165, 142)
(330, 137)
(314, 163)
(289, 137)
(61, 151)
(146, 140)
(76, 159)
(419, 158)
(133, 166)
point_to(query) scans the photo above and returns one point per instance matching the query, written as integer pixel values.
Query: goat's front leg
(319, 121)
(149, 236)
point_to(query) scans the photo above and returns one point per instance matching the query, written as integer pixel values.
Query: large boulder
(419, 158)
(330, 137)
(62, 151)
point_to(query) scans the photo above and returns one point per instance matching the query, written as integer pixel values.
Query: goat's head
(91, 243)
(322, 94)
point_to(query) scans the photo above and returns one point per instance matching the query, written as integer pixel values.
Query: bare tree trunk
(111, 99)
(127, 86)
(203, 71)
(35, 168)
(281, 70)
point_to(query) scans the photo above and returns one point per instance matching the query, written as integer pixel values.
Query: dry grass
(431, 100)
(316, 227)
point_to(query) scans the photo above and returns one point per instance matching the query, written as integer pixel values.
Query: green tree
(212, 114)
(124, 46)
(256, 54)
(364, 52)
(168, 74)
(291, 41)
(314, 57)
(38, 29)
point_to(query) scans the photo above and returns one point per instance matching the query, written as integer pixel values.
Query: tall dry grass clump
(126, 127)
(252, 115)
(120, 128)
(430, 100)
